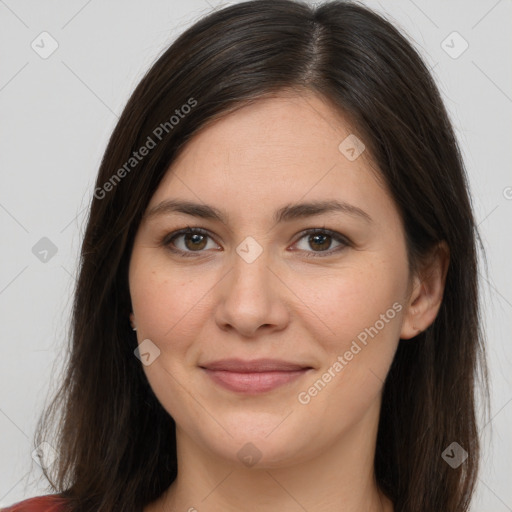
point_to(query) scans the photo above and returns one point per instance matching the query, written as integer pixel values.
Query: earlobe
(427, 294)
(410, 322)
(132, 321)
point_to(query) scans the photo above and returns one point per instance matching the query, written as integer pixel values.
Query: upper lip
(255, 365)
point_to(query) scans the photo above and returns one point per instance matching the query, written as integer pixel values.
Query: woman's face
(255, 283)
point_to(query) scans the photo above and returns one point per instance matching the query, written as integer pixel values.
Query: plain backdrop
(57, 112)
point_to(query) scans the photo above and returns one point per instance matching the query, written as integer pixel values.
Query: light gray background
(56, 117)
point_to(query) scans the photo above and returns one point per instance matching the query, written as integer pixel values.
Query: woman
(277, 304)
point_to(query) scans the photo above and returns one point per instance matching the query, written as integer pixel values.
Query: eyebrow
(286, 213)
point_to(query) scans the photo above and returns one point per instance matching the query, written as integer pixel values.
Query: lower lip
(256, 382)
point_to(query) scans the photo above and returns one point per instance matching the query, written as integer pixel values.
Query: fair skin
(316, 454)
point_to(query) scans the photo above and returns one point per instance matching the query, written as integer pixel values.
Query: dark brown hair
(115, 442)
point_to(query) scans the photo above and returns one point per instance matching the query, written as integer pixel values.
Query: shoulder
(48, 503)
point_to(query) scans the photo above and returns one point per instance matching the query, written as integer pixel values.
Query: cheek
(357, 324)
(165, 301)
(352, 299)
(361, 312)
(169, 310)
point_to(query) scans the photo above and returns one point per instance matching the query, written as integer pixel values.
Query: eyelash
(168, 239)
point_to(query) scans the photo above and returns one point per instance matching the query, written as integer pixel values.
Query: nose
(251, 299)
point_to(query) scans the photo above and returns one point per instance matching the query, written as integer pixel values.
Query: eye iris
(320, 239)
(196, 239)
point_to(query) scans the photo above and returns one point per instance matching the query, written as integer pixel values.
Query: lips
(256, 365)
(253, 377)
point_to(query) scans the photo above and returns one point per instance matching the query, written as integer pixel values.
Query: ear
(132, 321)
(427, 292)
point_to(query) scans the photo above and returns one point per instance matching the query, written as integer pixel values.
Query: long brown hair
(115, 442)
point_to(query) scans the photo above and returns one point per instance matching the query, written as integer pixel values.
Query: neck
(341, 479)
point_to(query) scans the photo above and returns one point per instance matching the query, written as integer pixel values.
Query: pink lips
(252, 377)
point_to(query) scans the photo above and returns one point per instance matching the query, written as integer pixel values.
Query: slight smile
(253, 377)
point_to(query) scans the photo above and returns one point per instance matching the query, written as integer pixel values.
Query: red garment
(48, 503)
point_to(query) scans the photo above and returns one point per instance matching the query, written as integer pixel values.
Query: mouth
(253, 377)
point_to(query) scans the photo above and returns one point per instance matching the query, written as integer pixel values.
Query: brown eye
(194, 242)
(189, 241)
(321, 240)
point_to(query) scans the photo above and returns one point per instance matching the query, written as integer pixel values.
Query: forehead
(284, 128)
(275, 150)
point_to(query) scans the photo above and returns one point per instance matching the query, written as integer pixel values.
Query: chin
(262, 443)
